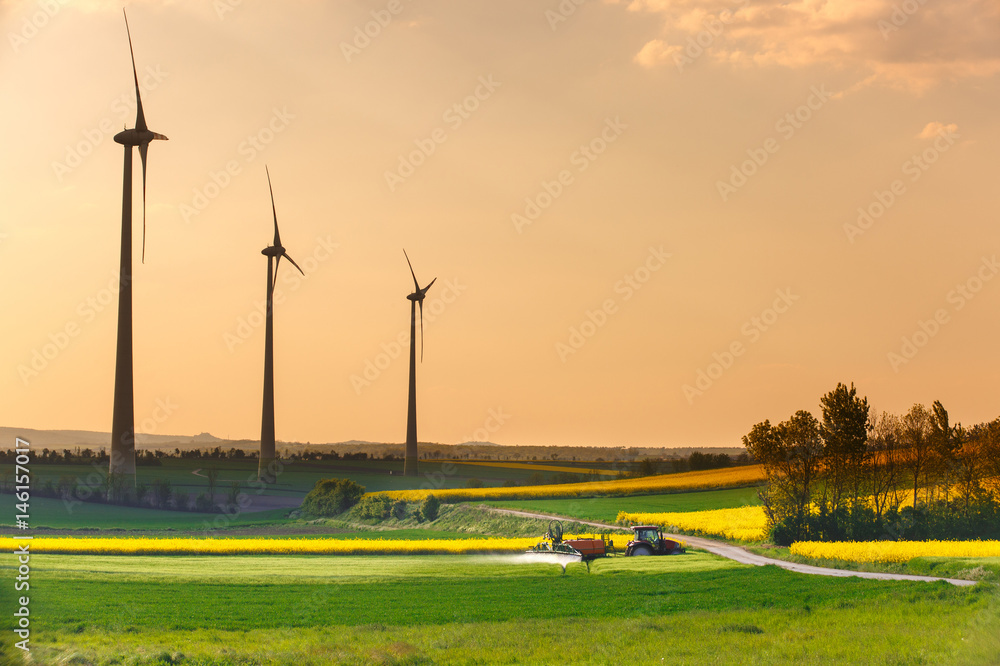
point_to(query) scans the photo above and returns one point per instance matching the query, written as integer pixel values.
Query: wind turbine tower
(417, 297)
(123, 419)
(274, 253)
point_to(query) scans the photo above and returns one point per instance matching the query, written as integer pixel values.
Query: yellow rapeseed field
(748, 523)
(182, 546)
(893, 551)
(715, 478)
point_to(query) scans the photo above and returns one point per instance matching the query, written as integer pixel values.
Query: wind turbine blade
(277, 236)
(286, 256)
(143, 149)
(415, 283)
(140, 118)
(424, 290)
(421, 330)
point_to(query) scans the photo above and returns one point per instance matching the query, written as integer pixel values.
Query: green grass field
(693, 608)
(55, 514)
(297, 477)
(605, 509)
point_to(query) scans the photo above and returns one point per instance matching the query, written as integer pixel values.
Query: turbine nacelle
(137, 137)
(272, 251)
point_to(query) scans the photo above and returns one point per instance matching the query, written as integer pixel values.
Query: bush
(182, 501)
(204, 504)
(233, 497)
(399, 509)
(162, 493)
(429, 508)
(330, 497)
(377, 507)
(141, 490)
(474, 483)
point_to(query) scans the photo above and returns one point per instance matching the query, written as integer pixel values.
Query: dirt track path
(740, 554)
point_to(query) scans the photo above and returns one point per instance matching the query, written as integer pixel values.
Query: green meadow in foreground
(692, 608)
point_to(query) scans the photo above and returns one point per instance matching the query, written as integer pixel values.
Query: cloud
(656, 51)
(908, 44)
(935, 128)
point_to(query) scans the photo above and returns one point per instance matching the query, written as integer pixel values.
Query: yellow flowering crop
(893, 551)
(222, 546)
(748, 523)
(714, 478)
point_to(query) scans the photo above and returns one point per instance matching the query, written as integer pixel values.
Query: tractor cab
(648, 540)
(648, 534)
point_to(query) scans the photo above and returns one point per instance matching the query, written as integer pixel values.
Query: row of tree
(861, 476)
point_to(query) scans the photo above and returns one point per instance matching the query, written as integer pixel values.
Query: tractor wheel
(642, 550)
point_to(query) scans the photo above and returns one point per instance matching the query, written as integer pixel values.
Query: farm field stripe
(210, 546)
(748, 523)
(893, 551)
(717, 478)
(540, 468)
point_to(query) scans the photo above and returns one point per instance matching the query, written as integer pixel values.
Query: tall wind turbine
(267, 416)
(410, 460)
(123, 420)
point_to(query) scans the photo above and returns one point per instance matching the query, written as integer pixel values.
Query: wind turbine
(276, 250)
(123, 420)
(410, 460)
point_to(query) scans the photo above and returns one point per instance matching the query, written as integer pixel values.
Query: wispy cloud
(912, 45)
(935, 128)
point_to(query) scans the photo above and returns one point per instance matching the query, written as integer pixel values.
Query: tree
(332, 496)
(917, 440)
(884, 462)
(945, 443)
(212, 474)
(429, 508)
(792, 456)
(845, 432)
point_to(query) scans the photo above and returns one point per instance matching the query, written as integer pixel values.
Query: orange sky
(643, 216)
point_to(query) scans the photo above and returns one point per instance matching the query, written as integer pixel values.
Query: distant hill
(68, 439)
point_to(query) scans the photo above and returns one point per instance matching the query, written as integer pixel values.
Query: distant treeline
(857, 476)
(649, 465)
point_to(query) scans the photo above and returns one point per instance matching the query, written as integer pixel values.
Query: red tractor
(649, 541)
